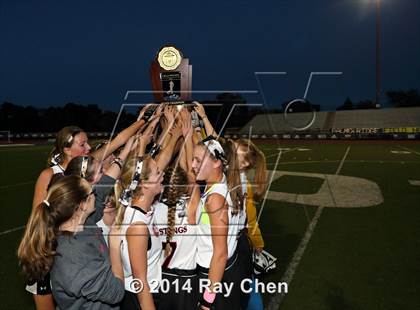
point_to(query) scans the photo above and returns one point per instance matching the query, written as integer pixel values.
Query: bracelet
(207, 299)
(118, 161)
(209, 296)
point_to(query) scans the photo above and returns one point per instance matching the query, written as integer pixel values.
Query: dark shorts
(233, 275)
(179, 290)
(130, 301)
(245, 262)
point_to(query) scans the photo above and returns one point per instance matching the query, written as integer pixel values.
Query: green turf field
(354, 258)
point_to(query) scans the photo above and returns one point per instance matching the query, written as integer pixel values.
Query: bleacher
(381, 122)
(381, 118)
(277, 123)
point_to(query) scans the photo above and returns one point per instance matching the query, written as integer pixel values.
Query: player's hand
(156, 114)
(258, 250)
(186, 125)
(168, 112)
(198, 107)
(147, 136)
(144, 109)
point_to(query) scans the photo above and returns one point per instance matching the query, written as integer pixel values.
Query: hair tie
(137, 173)
(46, 202)
(126, 195)
(55, 159)
(125, 198)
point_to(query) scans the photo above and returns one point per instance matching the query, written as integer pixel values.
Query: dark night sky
(53, 52)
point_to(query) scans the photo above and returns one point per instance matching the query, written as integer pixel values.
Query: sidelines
(276, 300)
(348, 161)
(15, 145)
(11, 230)
(16, 185)
(408, 149)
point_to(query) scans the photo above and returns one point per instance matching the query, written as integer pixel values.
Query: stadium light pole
(378, 53)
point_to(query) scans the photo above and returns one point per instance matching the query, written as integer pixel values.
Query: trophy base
(179, 104)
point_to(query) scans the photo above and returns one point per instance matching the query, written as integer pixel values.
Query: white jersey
(57, 169)
(204, 240)
(105, 230)
(134, 214)
(184, 241)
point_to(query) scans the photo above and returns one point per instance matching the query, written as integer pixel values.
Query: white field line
(11, 230)
(284, 152)
(347, 162)
(14, 145)
(297, 256)
(408, 149)
(16, 185)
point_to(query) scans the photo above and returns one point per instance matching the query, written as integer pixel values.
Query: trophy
(171, 76)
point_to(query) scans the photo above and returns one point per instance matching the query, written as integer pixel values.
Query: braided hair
(175, 193)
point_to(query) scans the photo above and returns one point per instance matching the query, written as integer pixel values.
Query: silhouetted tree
(400, 98)
(365, 104)
(347, 105)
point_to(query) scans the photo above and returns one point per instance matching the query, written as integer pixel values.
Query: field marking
(348, 161)
(336, 191)
(408, 149)
(11, 230)
(297, 256)
(283, 152)
(15, 145)
(16, 185)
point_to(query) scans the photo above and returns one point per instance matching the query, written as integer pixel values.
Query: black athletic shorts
(178, 290)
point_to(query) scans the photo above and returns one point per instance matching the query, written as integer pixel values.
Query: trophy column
(171, 76)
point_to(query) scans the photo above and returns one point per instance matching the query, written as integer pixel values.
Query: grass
(357, 258)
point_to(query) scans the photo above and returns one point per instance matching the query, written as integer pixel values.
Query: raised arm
(168, 139)
(123, 136)
(198, 107)
(115, 170)
(187, 149)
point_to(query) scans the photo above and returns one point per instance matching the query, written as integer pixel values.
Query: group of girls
(160, 217)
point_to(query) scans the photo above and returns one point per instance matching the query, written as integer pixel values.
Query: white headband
(125, 198)
(215, 148)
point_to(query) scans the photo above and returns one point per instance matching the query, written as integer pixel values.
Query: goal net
(5, 136)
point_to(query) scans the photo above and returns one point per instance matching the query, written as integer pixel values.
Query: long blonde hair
(124, 181)
(232, 174)
(37, 249)
(256, 159)
(63, 139)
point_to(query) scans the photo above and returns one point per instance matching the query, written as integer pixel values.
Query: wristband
(118, 161)
(209, 296)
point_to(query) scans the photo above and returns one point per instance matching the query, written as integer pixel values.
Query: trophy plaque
(171, 76)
